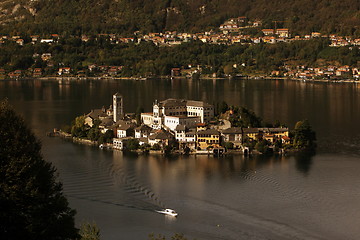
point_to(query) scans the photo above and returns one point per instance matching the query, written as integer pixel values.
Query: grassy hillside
(126, 16)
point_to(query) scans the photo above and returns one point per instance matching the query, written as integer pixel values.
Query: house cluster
(326, 72)
(177, 123)
(230, 32)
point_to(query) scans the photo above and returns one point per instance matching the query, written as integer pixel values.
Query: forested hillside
(127, 16)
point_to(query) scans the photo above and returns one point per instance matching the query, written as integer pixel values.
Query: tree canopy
(32, 204)
(304, 136)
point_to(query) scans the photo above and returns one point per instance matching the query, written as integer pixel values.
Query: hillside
(127, 16)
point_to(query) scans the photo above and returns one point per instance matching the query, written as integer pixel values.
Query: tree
(107, 137)
(262, 146)
(79, 129)
(89, 231)
(304, 136)
(223, 107)
(132, 144)
(32, 205)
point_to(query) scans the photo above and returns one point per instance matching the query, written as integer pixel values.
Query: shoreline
(228, 152)
(250, 77)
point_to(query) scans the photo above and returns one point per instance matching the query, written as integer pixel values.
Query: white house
(173, 121)
(124, 130)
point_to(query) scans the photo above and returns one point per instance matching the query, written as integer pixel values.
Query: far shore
(204, 77)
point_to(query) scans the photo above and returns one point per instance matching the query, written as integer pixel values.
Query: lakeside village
(230, 32)
(185, 127)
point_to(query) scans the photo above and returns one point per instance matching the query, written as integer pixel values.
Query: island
(179, 126)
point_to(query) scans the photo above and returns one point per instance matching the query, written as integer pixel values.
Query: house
(234, 135)
(49, 41)
(15, 74)
(251, 133)
(282, 32)
(106, 124)
(20, 42)
(37, 72)
(279, 132)
(269, 137)
(175, 72)
(161, 137)
(142, 132)
(207, 138)
(180, 132)
(315, 34)
(172, 122)
(96, 114)
(285, 140)
(125, 130)
(268, 32)
(120, 143)
(64, 70)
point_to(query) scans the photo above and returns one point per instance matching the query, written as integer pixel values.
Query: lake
(233, 197)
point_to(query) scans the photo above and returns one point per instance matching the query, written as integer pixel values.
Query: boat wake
(111, 184)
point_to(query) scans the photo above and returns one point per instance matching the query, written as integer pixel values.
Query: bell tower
(118, 107)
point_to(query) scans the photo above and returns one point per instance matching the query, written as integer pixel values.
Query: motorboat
(168, 211)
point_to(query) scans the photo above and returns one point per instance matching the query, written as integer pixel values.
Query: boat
(168, 211)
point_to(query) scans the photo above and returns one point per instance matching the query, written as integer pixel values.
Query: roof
(250, 130)
(209, 132)
(107, 122)
(180, 128)
(232, 130)
(278, 129)
(171, 102)
(148, 113)
(161, 135)
(143, 128)
(197, 103)
(124, 127)
(96, 113)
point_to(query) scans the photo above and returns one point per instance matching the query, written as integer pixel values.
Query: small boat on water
(168, 211)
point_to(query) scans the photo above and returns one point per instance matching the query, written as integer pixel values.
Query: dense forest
(127, 16)
(147, 59)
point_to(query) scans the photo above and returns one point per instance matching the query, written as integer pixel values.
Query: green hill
(127, 16)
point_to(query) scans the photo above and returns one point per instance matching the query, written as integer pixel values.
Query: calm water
(298, 197)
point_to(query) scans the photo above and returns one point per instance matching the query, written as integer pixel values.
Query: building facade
(172, 112)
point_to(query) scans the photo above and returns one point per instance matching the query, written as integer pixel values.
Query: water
(301, 197)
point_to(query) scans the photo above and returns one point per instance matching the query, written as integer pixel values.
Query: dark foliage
(32, 205)
(125, 16)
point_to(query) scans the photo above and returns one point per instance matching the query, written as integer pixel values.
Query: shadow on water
(304, 160)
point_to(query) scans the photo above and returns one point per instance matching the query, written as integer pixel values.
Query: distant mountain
(127, 16)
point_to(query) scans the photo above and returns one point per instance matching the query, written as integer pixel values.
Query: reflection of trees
(304, 161)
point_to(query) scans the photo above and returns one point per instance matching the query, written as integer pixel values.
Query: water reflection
(207, 167)
(304, 160)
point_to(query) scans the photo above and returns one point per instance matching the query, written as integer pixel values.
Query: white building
(172, 112)
(124, 130)
(118, 143)
(172, 121)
